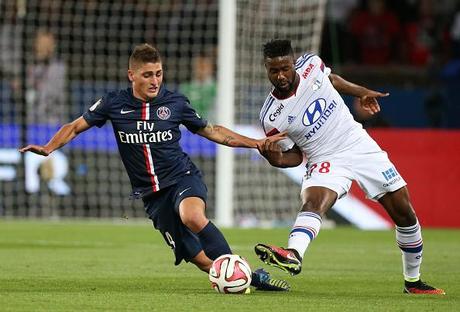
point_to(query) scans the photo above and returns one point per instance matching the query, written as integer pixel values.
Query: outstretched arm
(277, 158)
(64, 135)
(368, 98)
(225, 136)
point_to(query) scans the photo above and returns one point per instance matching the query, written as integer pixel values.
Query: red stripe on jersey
(272, 132)
(147, 154)
(144, 110)
(147, 164)
(322, 67)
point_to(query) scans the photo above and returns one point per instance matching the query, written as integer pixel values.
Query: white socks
(306, 228)
(410, 242)
(307, 225)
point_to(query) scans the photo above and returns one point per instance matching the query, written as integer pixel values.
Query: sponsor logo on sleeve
(308, 70)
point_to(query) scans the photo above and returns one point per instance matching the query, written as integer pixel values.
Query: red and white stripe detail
(308, 228)
(148, 153)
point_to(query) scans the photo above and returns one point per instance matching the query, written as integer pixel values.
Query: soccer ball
(230, 274)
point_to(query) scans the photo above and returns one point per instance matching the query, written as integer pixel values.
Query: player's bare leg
(316, 201)
(202, 261)
(398, 206)
(192, 214)
(409, 239)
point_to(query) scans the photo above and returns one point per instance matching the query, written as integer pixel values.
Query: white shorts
(366, 163)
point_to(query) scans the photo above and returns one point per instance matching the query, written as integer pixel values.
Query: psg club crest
(163, 113)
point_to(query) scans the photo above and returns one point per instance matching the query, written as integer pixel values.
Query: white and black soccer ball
(230, 274)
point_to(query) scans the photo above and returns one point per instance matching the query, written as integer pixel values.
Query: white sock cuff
(407, 230)
(308, 223)
(310, 214)
(409, 239)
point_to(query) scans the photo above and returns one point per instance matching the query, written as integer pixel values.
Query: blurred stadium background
(58, 57)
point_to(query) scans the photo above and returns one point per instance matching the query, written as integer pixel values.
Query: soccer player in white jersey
(305, 102)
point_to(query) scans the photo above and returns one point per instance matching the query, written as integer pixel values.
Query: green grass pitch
(125, 266)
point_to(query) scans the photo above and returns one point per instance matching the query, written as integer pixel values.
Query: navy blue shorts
(162, 208)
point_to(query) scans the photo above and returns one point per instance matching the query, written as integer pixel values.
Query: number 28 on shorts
(322, 167)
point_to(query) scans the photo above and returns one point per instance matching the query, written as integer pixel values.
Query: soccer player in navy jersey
(145, 120)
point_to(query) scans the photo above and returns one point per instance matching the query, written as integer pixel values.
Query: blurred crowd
(412, 46)
(54, 49)
(58, 56)
(377, 32)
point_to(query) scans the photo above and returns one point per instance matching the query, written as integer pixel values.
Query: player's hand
(270, 149)
(37, 149)
(273, 139)
(369, 101)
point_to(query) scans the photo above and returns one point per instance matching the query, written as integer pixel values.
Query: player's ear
(265, 63)
(130, 75)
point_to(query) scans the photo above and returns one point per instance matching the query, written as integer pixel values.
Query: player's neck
(141, 98)
(281, 95)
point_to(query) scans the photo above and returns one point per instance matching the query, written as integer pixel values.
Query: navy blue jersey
(148, 135)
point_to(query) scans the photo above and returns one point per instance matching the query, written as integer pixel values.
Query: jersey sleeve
(317, 60)
(303, 60)
(97, 114)
(309, 59)
(285, 144)
(191, 119)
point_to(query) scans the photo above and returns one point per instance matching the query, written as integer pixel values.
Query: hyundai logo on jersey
(314, 111)
(317, 113)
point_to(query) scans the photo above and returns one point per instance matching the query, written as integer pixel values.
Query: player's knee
(192, 214)
(406, 215)
(195, 222)
(318, 200)
(314, 206)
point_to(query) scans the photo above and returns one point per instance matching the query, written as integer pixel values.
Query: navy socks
(213, 241)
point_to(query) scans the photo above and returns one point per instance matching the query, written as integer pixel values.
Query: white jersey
(315, 117)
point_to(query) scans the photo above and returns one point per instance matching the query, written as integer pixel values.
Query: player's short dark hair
(277, 47)
(144, 53)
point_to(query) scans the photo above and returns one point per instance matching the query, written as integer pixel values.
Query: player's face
(281, 72)
(146, 80)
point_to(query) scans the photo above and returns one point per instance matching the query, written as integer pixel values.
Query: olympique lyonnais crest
(163, 113)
